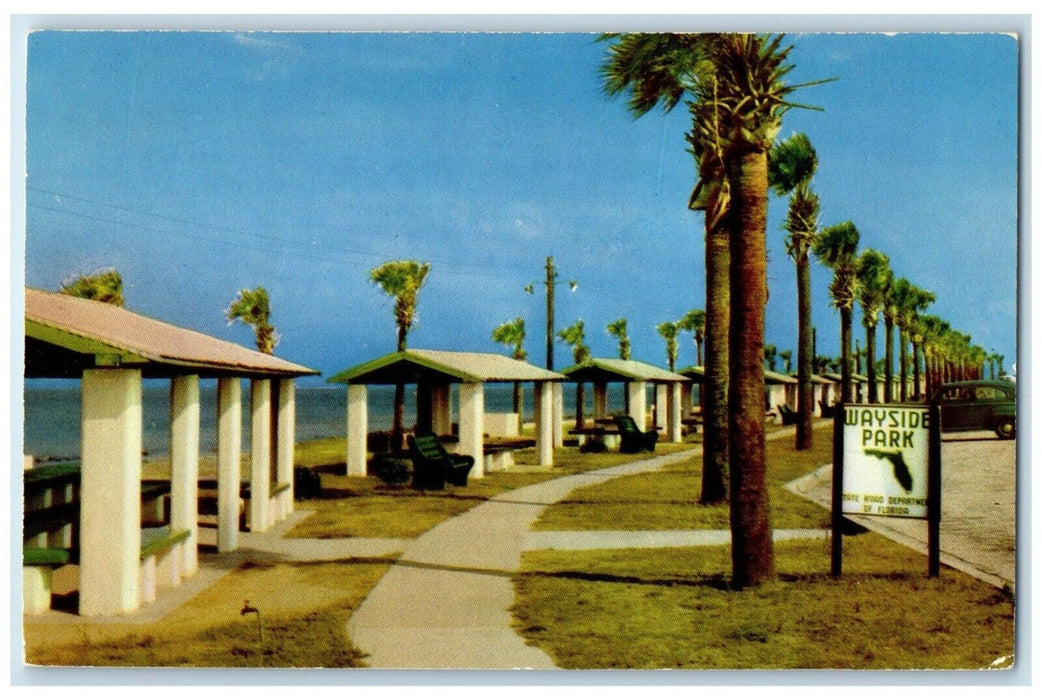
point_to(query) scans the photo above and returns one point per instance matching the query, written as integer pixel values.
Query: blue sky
(199, 163)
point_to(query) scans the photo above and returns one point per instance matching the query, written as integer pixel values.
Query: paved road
(978, 506)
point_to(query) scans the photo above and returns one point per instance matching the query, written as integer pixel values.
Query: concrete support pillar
(472, 425)
(816, 397)
(661, 408)
(600, 400)
(558, 411)
(637, 403)
(544, 429)
(229, 454)
(184, 466)
(686, 395)
(675, 432)
(287, 431)
(260, 453)
(357, 428)
(441, 409)
(424, 407)
(110, 495)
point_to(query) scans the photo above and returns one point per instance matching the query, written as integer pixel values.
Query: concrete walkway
(446, 603)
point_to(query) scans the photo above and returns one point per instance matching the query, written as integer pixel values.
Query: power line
(475, 271)
(450, 270)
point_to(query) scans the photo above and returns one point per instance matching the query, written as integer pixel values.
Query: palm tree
(894, 291)
(836, 248)
(910, 301)
(750, 98)
(694, 322)
(770, 356)
(575, 336)
(786, 357)
(402, 280)
(663, 69)
(932, 328)
(740, 98)
(512, 334)
(669, 331)
(253, 308)
(923, 299)
(792, 164)
(873, 274)
(102, 285)
(617, 328)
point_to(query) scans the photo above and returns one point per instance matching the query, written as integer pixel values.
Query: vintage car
(979, 405)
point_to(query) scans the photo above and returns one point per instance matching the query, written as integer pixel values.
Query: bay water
(52, 413)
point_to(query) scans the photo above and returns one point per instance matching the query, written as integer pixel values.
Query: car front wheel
(1006, 429)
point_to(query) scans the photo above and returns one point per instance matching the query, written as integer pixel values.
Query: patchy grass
(304, 610)
(667, 499)
(353, 506)
(671, 608)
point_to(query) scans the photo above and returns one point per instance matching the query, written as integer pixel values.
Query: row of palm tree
(735, 89)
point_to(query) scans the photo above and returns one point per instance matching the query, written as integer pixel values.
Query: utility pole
(551, 276)
(551, 283)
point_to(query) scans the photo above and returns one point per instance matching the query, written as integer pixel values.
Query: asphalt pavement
(978, 507)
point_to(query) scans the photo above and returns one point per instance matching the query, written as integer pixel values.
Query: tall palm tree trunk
(870, 353)
(915, 371)
(519, 406)
(888, 362)
(752, 548)
(904, 363)
(804, 356)
(580, 399)
(845, 331)
(714, 394)
(398, 427)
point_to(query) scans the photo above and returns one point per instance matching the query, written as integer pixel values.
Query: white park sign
(885, 460)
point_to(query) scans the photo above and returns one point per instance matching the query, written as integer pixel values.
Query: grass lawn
(304, 609)
(670, 608)
(667, 499)
(352, 506)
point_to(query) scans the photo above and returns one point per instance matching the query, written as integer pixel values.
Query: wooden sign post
(886, 461)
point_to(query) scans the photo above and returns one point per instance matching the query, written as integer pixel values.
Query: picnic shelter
(433, 372)
(91, 513)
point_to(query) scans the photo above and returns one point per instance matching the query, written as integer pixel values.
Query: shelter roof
(599, 369)
(443, 366)
(778, 378)
(698, 373)
(65, 335)
(856, 378)
(816, 379)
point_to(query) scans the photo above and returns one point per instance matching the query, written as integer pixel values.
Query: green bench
(633, 438)
(432, 465)
(156, 540)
